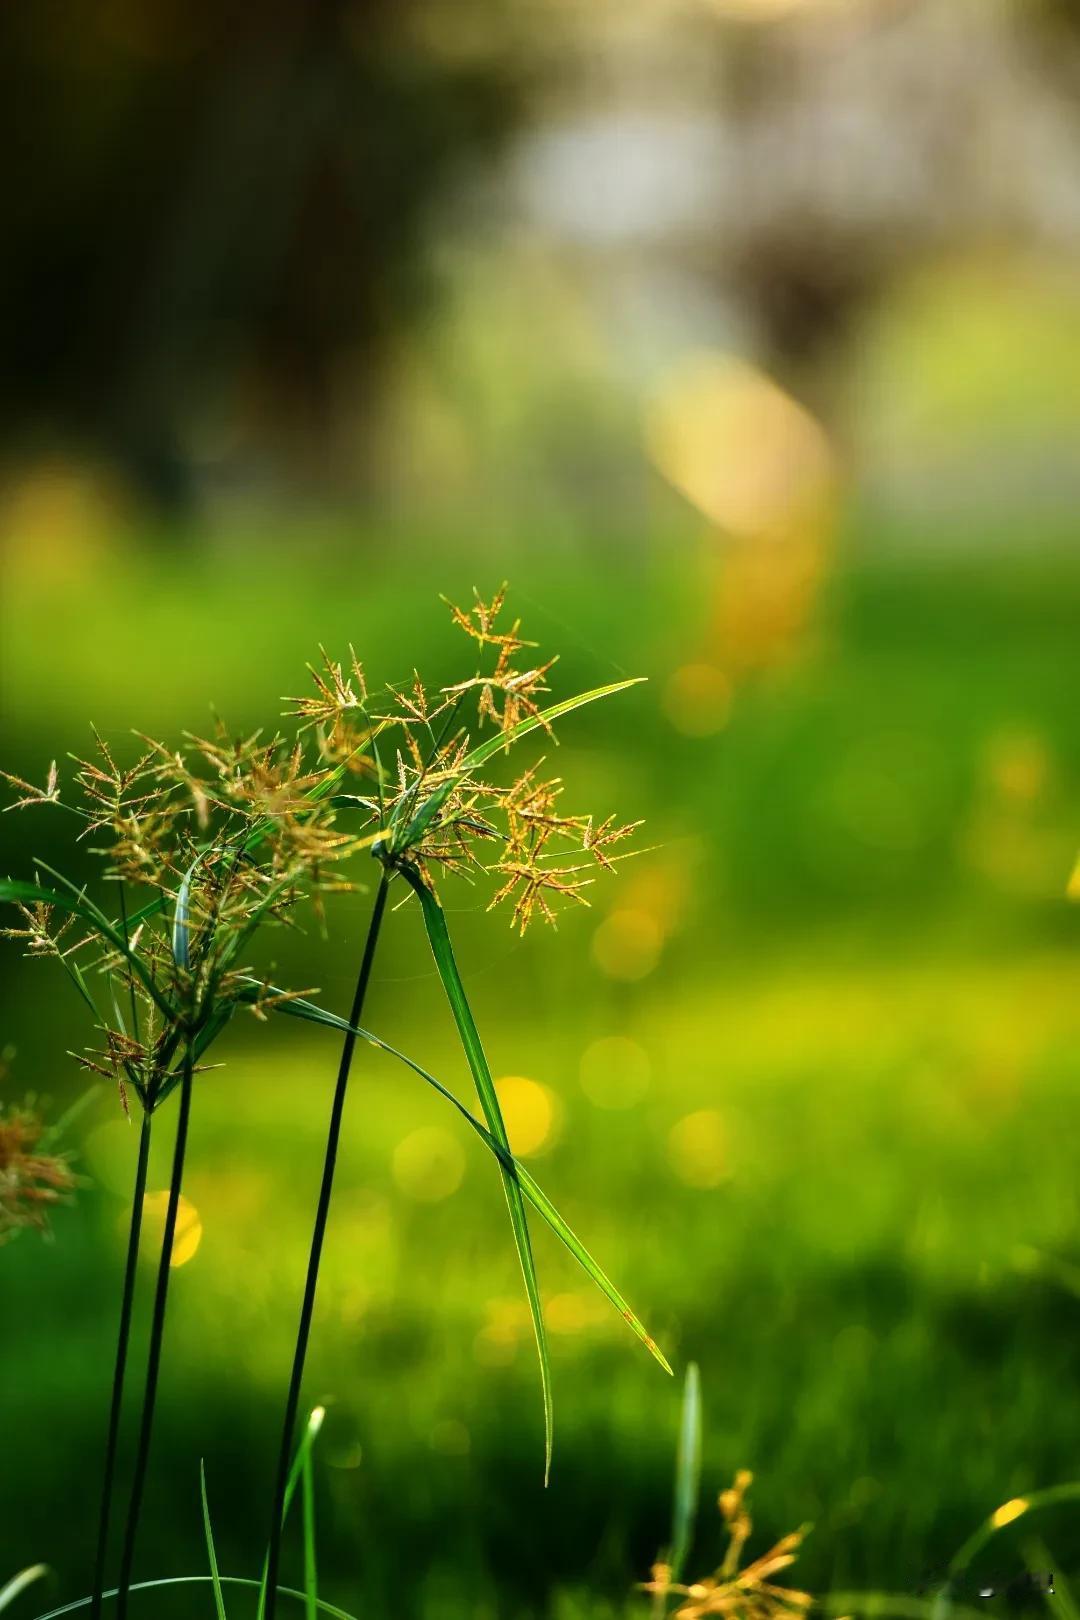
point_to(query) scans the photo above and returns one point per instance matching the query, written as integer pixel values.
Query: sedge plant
(435, 805)
(213, 841)
(227, 835)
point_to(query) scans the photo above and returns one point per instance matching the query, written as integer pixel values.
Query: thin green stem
(292, 1404)
(130, 975)
(123, 1338)
(157, 1331)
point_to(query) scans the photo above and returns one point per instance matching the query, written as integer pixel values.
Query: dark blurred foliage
(203, 197)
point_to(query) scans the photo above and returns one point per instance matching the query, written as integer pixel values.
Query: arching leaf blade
(311, 1013)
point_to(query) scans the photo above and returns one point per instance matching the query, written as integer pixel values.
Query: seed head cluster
(204, 845)
(749, 1593)
(32, 1178)
(433, 804)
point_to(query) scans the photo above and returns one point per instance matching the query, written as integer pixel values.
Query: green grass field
(841, 1175)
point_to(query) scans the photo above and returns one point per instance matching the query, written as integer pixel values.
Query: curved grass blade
(19, 1583)
(311, 1573)
(211, 1551)
(687, 1473)
(1008, 1513)
(300, 1461)
(887, 1606)
(201, 1580)
(313, 1014)
(486, 750)
(1060, 1596)
(76, 903)
(431, 806)
(181, 945)
(469, 1035)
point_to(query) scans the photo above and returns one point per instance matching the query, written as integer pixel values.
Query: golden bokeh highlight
(58, 521)
(697, 1149)
(1019, 765)
(760, 469)
(627, 945)
(428, 1164)
(697, 700)
(498, 1341)
(615, 1072)
(738, 447)
(532, 1113)
(189, 1227)
(573, 1312)
(1008, 1511)
(767, 11)
(1073, 888)
(1015, 835)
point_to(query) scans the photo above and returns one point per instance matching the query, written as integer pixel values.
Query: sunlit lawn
(836, 1011)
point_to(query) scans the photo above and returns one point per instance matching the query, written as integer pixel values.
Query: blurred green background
(743, 338)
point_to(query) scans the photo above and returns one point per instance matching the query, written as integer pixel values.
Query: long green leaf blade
(11, 889)
(687, 1473)
(303, 1452)
(19, 1583)
(180, 933)
(503, 739)
(442, 951)
(200, 1580)
(1008, 1513)
(311, 1013)
(311, 1576)
(211, 1550)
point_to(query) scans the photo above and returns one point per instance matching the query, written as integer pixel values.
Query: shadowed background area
(742, 337)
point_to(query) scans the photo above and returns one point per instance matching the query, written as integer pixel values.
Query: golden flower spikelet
(744, 1594)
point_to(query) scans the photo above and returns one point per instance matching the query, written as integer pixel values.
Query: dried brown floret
(744, 1594)
(49, 794)
(232, 831)
(32, 1179)
(530, 885)
(41, 935)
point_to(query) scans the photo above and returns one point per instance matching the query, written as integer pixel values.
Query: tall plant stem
(123, 1338)
(292, 1404)
(157, 1331)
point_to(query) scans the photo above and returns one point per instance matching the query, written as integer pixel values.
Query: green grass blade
(307, 1010)
(303, 1452)
(322, 1606)
(881, 1606)
(1008, 1513)
(211, 1551)
(442, 951)
(76, 903)
(1061, 1601)
(181, 945)
(75, 974)
(307, 1499)
(486, 750)
(687, 1473)
(20, 1582)
(429, 809)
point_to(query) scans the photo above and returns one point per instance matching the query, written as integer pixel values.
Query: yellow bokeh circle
(189, 1227)
(532, 1114)
(697, 700)
(698, 1149)
(627, 945)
